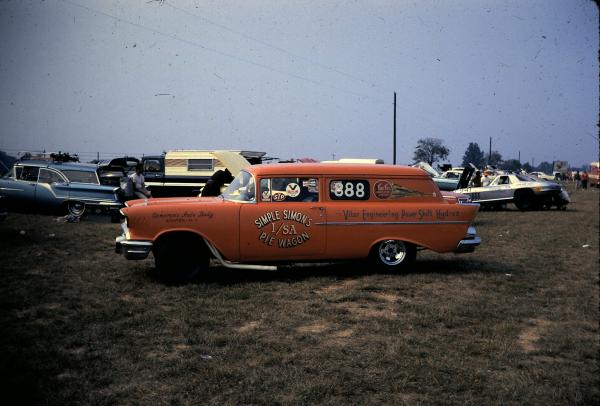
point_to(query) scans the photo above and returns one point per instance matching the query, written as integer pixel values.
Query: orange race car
(300, 212)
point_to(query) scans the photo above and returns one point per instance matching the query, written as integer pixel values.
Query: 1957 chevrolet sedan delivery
(300, 212)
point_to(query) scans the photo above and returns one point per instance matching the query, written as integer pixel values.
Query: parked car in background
(185, 172)
(526, 192)
(58, 188)
(446, 181)
(301, 212)
(543, 176)
(111, 172)
(3, 211)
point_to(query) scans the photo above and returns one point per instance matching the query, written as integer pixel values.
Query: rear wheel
(76, 208)
(525, 200)
(180, 258)
(393, 254)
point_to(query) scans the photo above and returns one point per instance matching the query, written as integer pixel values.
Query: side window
(152, 165)
(28, 173)
(503, 180)
(47, 176)
(200, 165)
(289, 190)
(349, 189)
(81, 176)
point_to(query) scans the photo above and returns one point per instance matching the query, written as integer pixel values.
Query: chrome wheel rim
(76, 208)
(392, 252)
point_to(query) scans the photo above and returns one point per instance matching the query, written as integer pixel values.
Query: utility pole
(394, 128)
(490, 154)
(519, 156)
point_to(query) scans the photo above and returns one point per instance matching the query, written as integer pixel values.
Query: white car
(525, 191)
(542, 175)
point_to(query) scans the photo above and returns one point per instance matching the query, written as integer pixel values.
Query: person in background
(486, 178)
(477, 179)
(584, 180)
(577, 179)
(139, 187)
(215, 183)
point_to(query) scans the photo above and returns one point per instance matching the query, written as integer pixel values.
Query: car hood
(173, 200)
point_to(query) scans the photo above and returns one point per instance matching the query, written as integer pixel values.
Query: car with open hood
(283, 213)
(525, 191)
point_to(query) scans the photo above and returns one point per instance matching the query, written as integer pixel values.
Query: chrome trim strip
(387, 223)
(228, 264)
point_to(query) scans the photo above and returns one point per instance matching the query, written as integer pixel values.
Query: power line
(269, 45)
(213, 50)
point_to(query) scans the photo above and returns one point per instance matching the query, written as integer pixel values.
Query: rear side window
(381, 190)
(349, 189)
(47, 176)
(81, 176)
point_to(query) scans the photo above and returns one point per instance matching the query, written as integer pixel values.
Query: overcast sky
(301, 78)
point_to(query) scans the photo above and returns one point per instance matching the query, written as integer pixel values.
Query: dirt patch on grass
(529, 337)
(248, 327)
(317, 327)
(369, 310)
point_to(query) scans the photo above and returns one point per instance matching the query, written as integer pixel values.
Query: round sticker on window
(382, 189)
(292, 190)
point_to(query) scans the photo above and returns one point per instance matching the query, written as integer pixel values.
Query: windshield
(241, 189)
(526, 178)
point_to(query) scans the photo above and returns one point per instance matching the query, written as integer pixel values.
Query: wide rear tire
(525, 200)
(395, 255)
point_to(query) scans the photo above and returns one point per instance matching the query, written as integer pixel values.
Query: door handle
(318, 208)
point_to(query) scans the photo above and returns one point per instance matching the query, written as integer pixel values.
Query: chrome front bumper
(469, 243)
(132, 249)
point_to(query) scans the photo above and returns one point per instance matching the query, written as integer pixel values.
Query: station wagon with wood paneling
(286, 213)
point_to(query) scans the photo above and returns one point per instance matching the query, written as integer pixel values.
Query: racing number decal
(349, 190)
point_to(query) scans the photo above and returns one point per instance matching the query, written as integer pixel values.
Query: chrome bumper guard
(469, 243)
(132, 249)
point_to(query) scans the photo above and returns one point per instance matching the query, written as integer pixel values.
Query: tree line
(432, 150)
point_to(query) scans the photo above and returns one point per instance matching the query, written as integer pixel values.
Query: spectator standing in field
(486, 179)
(477, 179)
(139, 187)
(584, 180)
(577, 179)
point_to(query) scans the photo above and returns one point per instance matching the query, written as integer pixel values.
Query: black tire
(180, 258)
(76, 208)
(393, 255)
(525, 200)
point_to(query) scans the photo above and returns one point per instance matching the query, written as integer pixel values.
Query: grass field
(516, 322)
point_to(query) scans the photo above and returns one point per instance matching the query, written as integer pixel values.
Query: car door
(51, 192)
(500, 189)
(19, 188)
(285, 222)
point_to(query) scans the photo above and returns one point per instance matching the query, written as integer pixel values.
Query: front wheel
(393, 254)
(179, 259)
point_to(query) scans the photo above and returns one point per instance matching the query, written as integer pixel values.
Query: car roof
(73, 166)
(335, 169)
